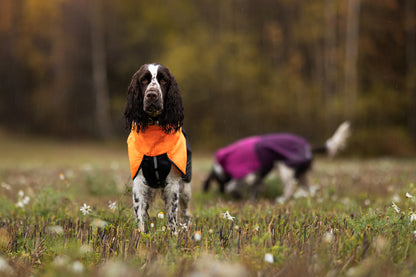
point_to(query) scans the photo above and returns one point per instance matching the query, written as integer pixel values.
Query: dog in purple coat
(248, 161)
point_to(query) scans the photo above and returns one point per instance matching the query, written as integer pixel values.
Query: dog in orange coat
(159, 152)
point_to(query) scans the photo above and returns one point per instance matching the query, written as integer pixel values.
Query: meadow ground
(350, 227)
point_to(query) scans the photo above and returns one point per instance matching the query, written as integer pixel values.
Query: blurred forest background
(243, 66)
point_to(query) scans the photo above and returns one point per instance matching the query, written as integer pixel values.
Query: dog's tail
(337, 142)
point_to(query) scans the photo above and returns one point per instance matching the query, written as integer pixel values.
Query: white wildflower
(228, 216)
(26, 200)
(6, 186)
(329, 236)
(163, 228)
(268, 258)
(367, 202)
(210, 231)
(61, 176)
(84, 249)
(56, 229)
(99, 223)
(413, 217)
(397, 209)
(160, 215)
(408, 195)
(23, 200)
(414, 233)
(152, 225)
(61, 261)
(86, 209)
(197, 236)
(77, 267)
(112, 205)
(395, 198)
(114, 268)
(256, 228)
(352, 271)
(183, 226)
(5, 267)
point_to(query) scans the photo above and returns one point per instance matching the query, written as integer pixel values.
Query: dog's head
(153, 97)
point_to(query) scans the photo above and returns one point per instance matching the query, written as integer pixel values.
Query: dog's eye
(163, 81)
(144, 81)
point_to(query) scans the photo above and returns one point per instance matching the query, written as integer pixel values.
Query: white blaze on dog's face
(153, 90)
(154, 84)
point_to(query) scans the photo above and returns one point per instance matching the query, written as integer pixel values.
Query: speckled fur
(176, 194)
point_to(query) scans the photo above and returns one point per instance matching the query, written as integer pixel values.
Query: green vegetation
(349, 227)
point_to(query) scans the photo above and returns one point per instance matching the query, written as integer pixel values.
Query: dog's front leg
(142, 197)
(232, 188)
(255, 185)
(287, 175)
(185, 194)
(171, 198)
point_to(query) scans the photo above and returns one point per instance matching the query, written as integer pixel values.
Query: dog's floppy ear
(172, 116)
(133, 112)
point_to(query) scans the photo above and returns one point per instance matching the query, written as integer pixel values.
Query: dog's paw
(141, 229)
(186, 217)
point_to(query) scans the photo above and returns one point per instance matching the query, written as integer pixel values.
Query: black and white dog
(159, 152)
(247, 161)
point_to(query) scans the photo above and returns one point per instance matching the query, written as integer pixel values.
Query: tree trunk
(99, 70)
(411, 63)
(330, 66)
(351, 57)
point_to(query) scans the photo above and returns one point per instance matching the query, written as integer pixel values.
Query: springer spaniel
(247, 161)
(159, 151)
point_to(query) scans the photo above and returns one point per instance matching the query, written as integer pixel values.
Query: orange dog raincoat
(153, 148)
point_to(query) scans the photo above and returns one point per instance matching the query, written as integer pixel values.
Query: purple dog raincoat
(239, 158)
(259, 153)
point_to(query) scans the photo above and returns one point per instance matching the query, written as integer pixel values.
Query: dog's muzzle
(153, 103)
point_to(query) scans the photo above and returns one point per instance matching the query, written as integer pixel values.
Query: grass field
(348, 228)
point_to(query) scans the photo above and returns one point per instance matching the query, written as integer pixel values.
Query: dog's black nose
(151, 95)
